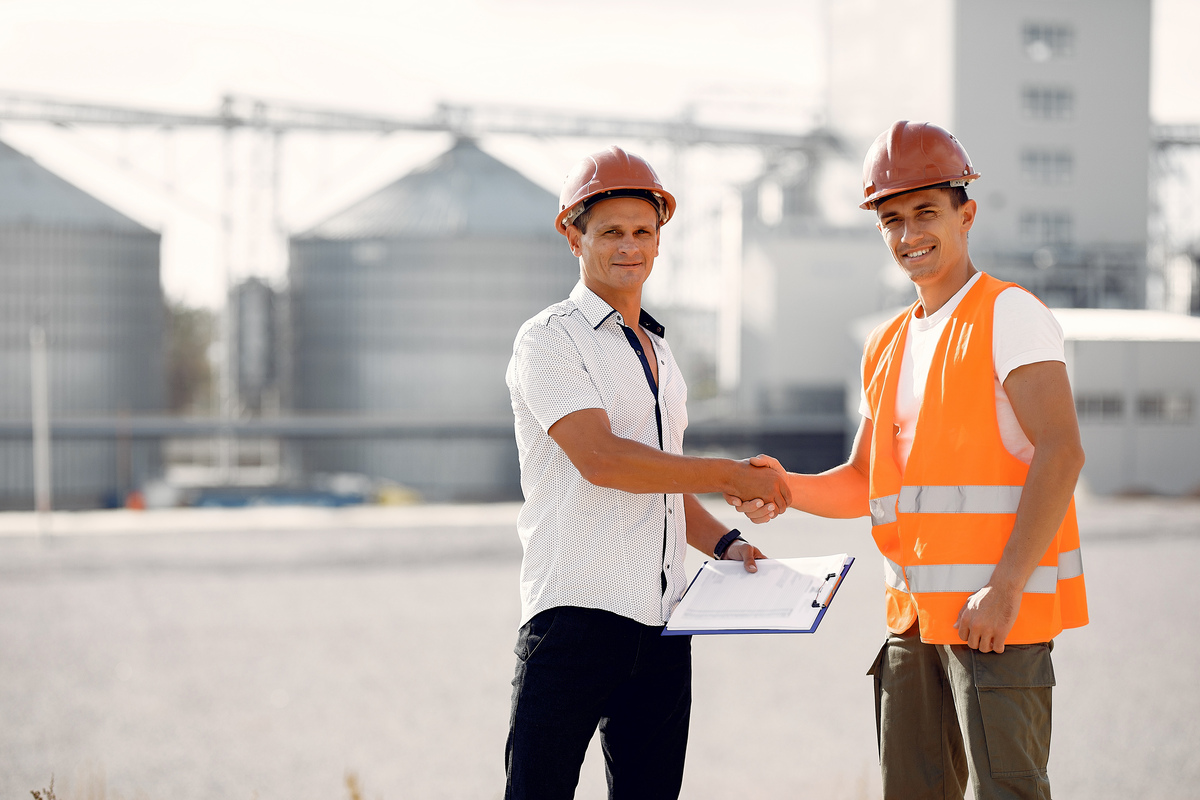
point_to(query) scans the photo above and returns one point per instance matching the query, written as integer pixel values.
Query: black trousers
(579, 668)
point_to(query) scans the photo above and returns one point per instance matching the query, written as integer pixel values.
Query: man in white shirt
(599, 408)
(966, 460)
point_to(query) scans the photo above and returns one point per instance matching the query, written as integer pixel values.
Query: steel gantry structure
(1168, 136)
(463, 120)
(275, 119)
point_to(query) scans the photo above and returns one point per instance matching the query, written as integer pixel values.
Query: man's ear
(574, 235)
(967, 214)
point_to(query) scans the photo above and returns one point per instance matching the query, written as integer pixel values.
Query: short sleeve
(864, 408)
(550, 375)
(1023, 332)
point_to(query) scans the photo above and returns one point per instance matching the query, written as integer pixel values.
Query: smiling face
(927, 236)
(617, 253)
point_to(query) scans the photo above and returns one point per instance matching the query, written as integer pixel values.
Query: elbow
(1071, 459)
(1080, 459)
(598, 471)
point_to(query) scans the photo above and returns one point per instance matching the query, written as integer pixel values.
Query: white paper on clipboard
(787, 595)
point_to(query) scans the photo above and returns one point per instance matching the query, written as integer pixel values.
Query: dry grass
(91, 783)
(45, 794)
(354, 789)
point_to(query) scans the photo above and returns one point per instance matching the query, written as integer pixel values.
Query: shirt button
(668, 510)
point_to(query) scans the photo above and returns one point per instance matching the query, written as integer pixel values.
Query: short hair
(958, 196)
(581, 221)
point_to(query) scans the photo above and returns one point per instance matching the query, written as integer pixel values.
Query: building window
(1099, 407)
(1045, 41)
(1046, 227)
(1047, 102)
(1051, 167)
(1165, 407)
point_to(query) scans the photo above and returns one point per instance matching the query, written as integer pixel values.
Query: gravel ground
(268, 653)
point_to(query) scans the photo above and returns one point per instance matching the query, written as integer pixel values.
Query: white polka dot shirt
(586, 545)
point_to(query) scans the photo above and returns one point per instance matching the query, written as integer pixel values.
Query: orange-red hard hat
(615, 173)
(913, 155)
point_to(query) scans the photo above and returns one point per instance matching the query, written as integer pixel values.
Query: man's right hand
(763, 507)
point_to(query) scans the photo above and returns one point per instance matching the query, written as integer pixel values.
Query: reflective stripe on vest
(893, 576)
(959, 499)
(973, 577)
(883, 509)
(946, 500)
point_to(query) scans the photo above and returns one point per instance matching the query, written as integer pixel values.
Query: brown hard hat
(610, 173)
(913, 155)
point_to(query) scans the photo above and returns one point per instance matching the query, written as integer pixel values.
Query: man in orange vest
(966, 461)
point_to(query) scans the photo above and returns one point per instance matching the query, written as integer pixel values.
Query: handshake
(761, 490)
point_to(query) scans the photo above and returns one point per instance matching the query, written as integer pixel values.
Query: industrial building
(88, 277)
(1136, 379)
(805, 278)
(1052, 101)
(406, 305)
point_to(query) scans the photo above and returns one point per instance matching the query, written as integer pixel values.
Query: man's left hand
(985, 621)
(744, 551)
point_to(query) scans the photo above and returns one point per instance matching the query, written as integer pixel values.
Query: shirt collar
(596, 311)
(943, 313)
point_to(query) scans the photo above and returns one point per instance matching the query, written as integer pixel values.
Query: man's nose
(912, 231)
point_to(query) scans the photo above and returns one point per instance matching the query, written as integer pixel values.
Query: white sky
(756, 63)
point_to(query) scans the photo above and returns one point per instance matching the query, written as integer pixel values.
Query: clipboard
(789, 595)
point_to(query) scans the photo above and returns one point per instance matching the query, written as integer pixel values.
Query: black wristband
(724, 542)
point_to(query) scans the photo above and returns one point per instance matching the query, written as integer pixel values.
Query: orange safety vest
(943, 525)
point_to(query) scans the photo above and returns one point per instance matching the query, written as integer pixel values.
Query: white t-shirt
(1023, 332)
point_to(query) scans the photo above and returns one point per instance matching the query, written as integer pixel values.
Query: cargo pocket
(1014, 690)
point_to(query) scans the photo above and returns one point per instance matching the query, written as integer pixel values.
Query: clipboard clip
(826, 591)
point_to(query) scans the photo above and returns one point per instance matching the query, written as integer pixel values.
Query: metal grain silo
(407, 304)
(89, 277)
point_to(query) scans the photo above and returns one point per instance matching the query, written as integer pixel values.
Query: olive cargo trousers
(944, 712)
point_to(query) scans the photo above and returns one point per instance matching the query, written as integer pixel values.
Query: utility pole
(226, 446)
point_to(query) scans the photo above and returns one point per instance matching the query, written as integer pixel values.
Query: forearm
(842, 492)
(615, 462)
(634, 467)
(1040, 394)
(703, 529)
(839, 493)
(1044, 502)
